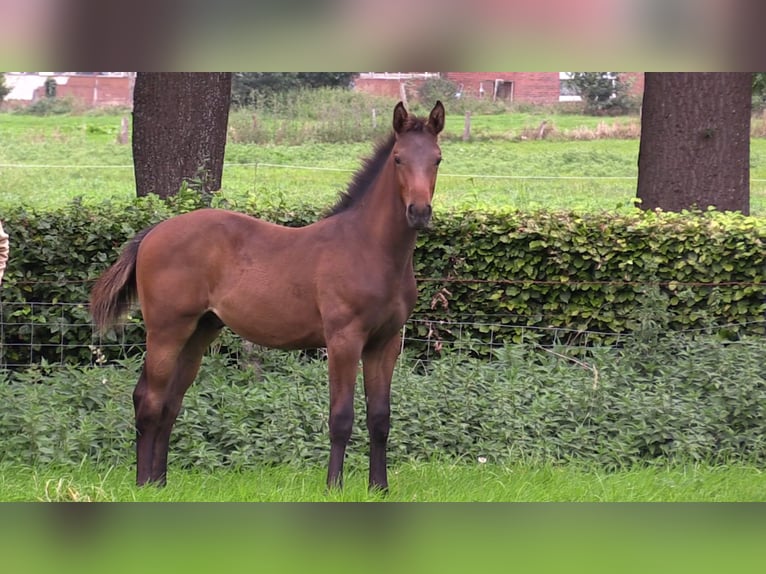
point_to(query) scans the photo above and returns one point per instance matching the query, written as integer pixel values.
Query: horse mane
(364, 178)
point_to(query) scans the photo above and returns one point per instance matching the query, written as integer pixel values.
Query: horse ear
(436, 119)
(400, 117)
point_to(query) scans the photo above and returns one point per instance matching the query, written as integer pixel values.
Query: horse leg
(187, 367)
(378, 365)
(343, 363)
(172, 362)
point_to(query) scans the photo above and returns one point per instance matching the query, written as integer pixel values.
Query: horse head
(416, 155)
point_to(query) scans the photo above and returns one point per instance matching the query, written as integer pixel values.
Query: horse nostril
(424, 211)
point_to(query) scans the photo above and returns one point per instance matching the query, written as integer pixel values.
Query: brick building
(89, 88)
(527, 87)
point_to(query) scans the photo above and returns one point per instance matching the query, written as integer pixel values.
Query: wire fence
(61, 334)
(257, 164)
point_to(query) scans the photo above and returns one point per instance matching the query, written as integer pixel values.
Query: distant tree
(602, 92)
(4, 90)
(438, 89)
(759, 88)
(247, 87)
(695, 141)
(179, 130)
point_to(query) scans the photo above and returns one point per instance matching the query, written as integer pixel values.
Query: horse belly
(274, 324)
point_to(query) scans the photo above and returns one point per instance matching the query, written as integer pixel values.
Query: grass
(49, 161)
(439, 481)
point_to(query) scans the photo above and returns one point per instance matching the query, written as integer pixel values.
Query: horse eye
(397, 160)
(438, 161)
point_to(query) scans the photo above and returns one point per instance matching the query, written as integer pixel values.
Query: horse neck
(382, 218)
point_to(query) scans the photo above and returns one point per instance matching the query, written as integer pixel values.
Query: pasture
(49, 162)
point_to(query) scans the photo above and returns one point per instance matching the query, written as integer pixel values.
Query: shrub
(603, 92)
(48, 106)
(434, 89)
(688, 399)
(491, 277)
(4, 89)
(583, 277)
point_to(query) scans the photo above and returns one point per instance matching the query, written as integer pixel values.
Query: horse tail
(115, 290)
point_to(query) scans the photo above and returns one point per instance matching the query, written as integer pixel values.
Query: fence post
(467, 127)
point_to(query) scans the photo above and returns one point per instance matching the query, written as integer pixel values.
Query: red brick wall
(389, 87)
(528, 87)
(533, 87)
(95, 90)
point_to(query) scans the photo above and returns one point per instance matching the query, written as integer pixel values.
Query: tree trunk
(695, 141)
(179, 130)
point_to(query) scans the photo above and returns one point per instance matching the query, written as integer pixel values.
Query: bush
(580, 279)
(604, 93)
(4, 89)
(585, 277)
(679, 399)
(49, 107)
(434, 89)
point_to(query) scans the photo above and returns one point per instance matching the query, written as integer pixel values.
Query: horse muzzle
(418, 216)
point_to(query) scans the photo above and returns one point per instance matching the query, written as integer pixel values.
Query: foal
(345, 283)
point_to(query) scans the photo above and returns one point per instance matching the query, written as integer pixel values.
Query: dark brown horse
(345, 282)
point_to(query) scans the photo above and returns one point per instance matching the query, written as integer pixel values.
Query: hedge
(571, 277)
(593, 276)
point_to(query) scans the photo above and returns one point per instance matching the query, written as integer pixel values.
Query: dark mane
(363, 179)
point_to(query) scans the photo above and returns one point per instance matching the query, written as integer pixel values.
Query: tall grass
(311, 116)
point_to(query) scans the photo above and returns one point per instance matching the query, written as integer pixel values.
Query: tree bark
(179, 130)
(695, 141)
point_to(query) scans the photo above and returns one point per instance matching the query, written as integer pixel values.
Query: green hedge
(576, 278)
(590, 277)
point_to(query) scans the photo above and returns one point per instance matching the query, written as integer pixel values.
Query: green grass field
(444, 481)
(49, 161)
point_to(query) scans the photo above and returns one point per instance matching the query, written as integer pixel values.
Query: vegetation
(583, 163)
(256, 88)
(660, 399)
(491, 276)
(4, 89)
(604, 92)
(542, 414)
(437, 481)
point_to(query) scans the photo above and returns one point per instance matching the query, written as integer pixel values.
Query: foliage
(603, 92)
(493, 277)
(4, 89)
(439, 88)
(584, 277)
(759, 92)
(688, 400)
(252, 88)
(319, 115)
(48, 106)
(759, 84)
(47, 283)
